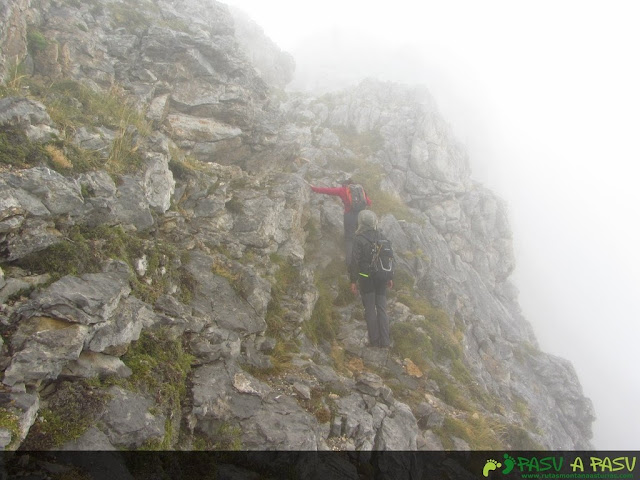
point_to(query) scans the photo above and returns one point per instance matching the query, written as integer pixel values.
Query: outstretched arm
(338, 191)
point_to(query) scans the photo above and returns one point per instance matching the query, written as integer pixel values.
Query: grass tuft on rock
(160, 367)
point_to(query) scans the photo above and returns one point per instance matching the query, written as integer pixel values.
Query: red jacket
(341, 192)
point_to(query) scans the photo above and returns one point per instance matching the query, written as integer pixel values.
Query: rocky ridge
(204, 295)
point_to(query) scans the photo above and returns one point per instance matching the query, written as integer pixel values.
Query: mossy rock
(70, 411)
(17, 150)
(160, 366)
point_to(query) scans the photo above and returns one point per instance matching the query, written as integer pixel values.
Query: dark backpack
(382, 262)
(357, 197)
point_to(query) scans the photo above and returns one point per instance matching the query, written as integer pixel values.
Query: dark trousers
(374, 299)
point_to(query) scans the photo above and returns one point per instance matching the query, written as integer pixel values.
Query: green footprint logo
(509, 463)
(490, 466)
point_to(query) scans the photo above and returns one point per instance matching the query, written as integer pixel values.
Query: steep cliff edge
(163, 259)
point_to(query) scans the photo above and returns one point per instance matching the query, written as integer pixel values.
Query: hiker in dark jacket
(350, 211)
(372, 291)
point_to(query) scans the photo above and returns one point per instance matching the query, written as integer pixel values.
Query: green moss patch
(403, 283)
(517, 438)
(478, 431)
(323, 324)
(411, 341)
(10, 422)
(36, 41)
(160, 367)
(442, 338)
(434, 338)
(228, 437)
(17, 150)
(285, 283)
(86, 249)
(70, 411)
(72, 105)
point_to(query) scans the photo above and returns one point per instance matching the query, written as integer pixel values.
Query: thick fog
(546, 96)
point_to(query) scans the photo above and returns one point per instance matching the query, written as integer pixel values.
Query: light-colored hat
(367, 220)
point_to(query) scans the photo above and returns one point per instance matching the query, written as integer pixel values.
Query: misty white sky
(546, 96)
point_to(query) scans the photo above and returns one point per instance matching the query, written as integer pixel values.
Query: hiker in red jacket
(355, 200)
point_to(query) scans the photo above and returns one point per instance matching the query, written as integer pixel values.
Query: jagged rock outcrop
(209, 303)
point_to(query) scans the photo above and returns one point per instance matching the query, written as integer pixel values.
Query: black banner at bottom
(258, 465)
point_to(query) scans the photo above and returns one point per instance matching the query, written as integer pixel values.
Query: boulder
(122, 327)
(131, 206)
(399, 431)
(216, 300)
(27, 115)
(128, 420)
(217, 402)
(32, 235)
(59, 195)
(159, 184)
(44, 346)
(87, 300)
(280, 424)
(353, 421)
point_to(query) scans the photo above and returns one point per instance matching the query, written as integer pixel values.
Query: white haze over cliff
(546, 96)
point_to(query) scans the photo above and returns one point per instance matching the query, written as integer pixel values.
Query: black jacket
(362, 253)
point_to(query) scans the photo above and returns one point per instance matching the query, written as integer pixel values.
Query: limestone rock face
(128, 421)
(28, 115)
(35, 199)
(50, 347)
(261, 416)
(220, 316)
(13, 34)
(56, 323)
(216, 300)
